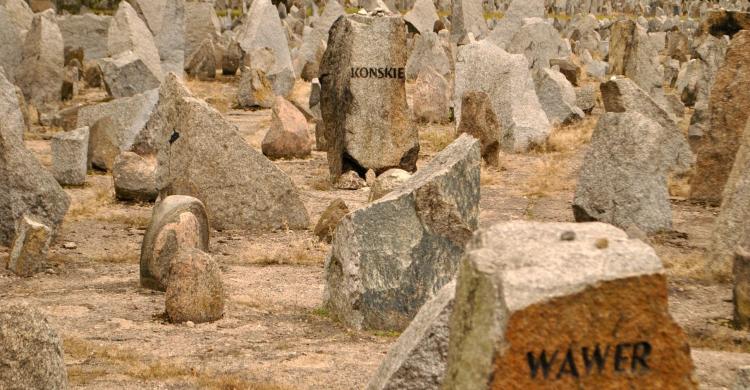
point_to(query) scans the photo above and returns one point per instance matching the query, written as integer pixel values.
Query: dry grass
(320, 183)
(305, 252)
(124, 256)
(434, 140)
(101, 361)
(489, 176)
(570, 138)
(550, 174)
(103, 196)
(128, 218)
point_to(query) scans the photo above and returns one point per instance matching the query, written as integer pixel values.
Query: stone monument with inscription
(564, 306)
(363, 96)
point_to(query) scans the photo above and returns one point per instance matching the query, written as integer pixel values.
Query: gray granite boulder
(201, 23)
(422, 16)
(254, 90)
(70, 156)
(21, 14)
(540, 43)
(428, 52)
(128, 33)
(133, 177)
(88, 31)
(195, 291)
(632, 55)
(126, 75)
(391, 256)
(166, 20)
(202, 63)
(430, 100)
(10, 108)
(467, 17)
(28, 254)
(513, 20)
(12, 48)
(40, 75)
(387, 182)
(287, 137)
(557, 96)
(478, 119)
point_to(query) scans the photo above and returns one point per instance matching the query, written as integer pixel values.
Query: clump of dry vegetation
(570, 138)
(550, 174)
(435, 139)
(306, 252)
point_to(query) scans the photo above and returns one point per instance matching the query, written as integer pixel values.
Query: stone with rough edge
(557, 96)
(177, 223)
(128, 33)
(29, 251)
(40, 75)
(540, 43)
(11, 107)
(195, 291)
(428, 52)
(287, 137)
(330, 219)
(254, 90)
(126, 75)
(202, 63)
(391, 256)
(430, 101)
(88, 31)
(12, 48)
(467, 17)
(523, 295)
(133, 177)
(387, 182)
(479, 120)
(70, 156)
(201, 23)
(422, 16)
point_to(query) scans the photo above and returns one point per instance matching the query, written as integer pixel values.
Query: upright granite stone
(363, 96)
(557, 96)
(201, 23)
(29, 251)
(563, 305)
(391, 256)
(127, 32)
(166, 20)
(728, 112)
(31, 351)
(200, 154)
(177, 223)
(478, 119)
(506, 79)
(202, 63)
(21, 13)
(126, 75)
(254, 90)
(287, 137)
(422, 16)
(740, 287)
(467, 17)
(517, 14)
(40, 75)
(10, 108)
(539, 42)
(428, 52)
(418, 358)
(195, 291)
(430, 101)
(263, 29)
(12, 48)
(623, 179)
(631, 54)
(88, 31)
(70, 156)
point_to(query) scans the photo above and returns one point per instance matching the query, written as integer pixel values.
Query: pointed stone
(41, 71)
(127, 32)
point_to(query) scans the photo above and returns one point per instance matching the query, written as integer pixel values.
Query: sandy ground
(274, 333)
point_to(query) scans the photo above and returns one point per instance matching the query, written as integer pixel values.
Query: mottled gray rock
(12, 48)
(21, 15)
(467, 17)
(70, 156)
(623, 179)
(523, 287)
(10, 108)
(586, 98)
(202, 63)
(330, 218)
(29, 250)
(194, 291)
(40, 75)
(128, 33)
(367, 120)
(287, 137)
(254, 90)
(261, 30)
(88, 31)
(232, 58)
(418, 358)
(201, 23)
(479, 120)
(557, 96)
(391, 256)
(742, 380)
(314, 41)
(422, 16)
(349, 180)
(177, 223)
(166, 20)
(201, 154)
(430, 101)
(133, 177)
(632, 55)
(127, 75)
(31, 351)
(387, 182)
(428, 52)
(513, 20)
(689, 82)
(540, 43)
(512, 93)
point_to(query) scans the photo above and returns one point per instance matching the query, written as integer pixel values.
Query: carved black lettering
(568, 366)
(640, 354)
(372, 72)
(620, 357)
(401, 73)
(381, 74)
(352, 76)
(535, 364)
(391, 73)
(595, 358)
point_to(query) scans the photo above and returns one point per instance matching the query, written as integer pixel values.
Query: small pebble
(568, 235)
(70, 245)
(190, 324)
(602, 243)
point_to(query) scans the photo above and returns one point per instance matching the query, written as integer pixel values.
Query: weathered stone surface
(40, 75)
(254, 89)
(330, 218)
(689, 81)
(166, 20)
(720, 22)
(71, 79)
(567, 302)
(202, 63)
(742, 381)
(21, 15)
(631, 54)
(586, 98)
(350, 180)
(232, 58)
(29, 251)
(287, 137)
(623, 95)
(32, 352)
(28, 188)
(540, 43)
(517, 14)
(177, 223)
(201, 23)
(195, 291)
(391, 256)
(512, 93)
(479, 120)
(387, 182)
(263, 30)
(741, 287)
(127, 75)
(422, 16)
(467, 17)
(128, 33)
(728, 114)
(12, 48)
(367, 121)
(88, 31)
(201, 154)
(70, 156)
(418, 358)
(557, 96)
(314, 41)
(133, 177)
(623, 179)
(569, 69)
(428, 52)
(10, 108)
(123, 127)
(430, 101)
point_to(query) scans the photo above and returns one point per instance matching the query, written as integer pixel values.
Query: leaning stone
(557, 96)
(367, 121)
(623, 179)
(178, 223)
(88, 31)
(387, 182)
(393, 255)
(728, 113)
(479, 120)
(31, 352)
(201, 154)
(29, 251)
(128, 33)
(202, 63)
(558, 307)
(418, 358)
(254, 89)
(127, 75)
(70, 156)
(201, 23)
(133, 177)
(330, 218)
(40, 75)
(430, 97)
(195, 291)
(11, 107)
(287, 137)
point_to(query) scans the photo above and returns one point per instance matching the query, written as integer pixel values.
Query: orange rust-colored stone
(627, 312)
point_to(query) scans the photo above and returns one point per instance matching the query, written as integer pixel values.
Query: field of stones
(374, 194)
